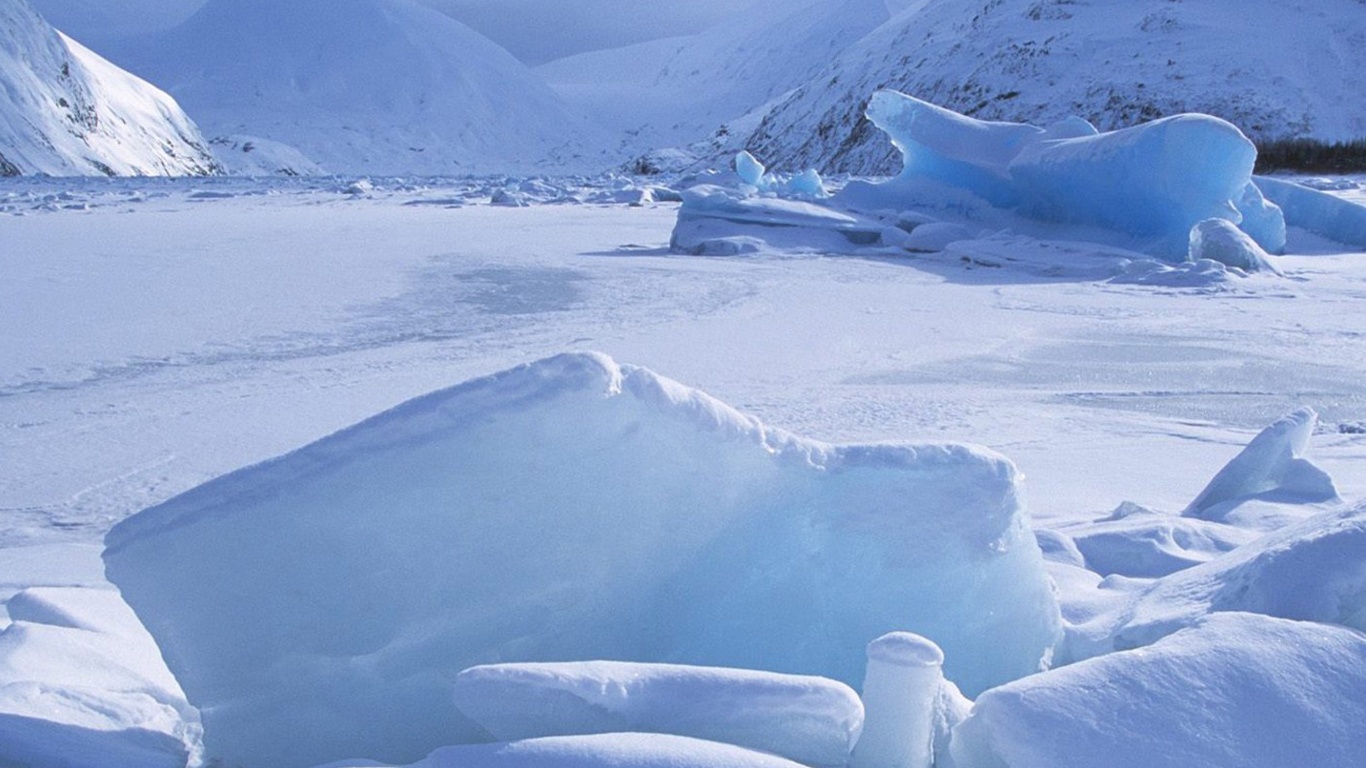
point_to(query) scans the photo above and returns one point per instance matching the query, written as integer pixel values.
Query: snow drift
(1235, 690)
(568, 509)
(365, 86)
(82, 684)
(64, 111)
(1310, 571)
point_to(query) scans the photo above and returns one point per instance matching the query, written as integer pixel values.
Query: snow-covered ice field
(158, 334)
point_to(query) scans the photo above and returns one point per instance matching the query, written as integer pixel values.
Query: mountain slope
(1277, 70)
(369, 86)
(65, 111)
(677, 90)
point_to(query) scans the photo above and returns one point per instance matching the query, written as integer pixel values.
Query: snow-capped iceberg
(64, 111)
(318, 606)
(1153, 182)
(811, 720)
(1236, 689)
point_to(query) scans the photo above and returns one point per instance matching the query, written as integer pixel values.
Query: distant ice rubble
(1168, 202)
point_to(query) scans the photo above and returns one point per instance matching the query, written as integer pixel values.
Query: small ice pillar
(904, 674)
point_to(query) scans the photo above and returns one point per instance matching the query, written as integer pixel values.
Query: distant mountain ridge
(366, 86)
(1276, 70)
(64, 111)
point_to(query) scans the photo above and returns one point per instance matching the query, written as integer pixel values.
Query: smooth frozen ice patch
(82, 683)
(1273, 465)
(1236, 689)
(811, 720)
(567, 509)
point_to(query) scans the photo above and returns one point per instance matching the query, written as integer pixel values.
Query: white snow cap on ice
(567, 509)
(811, 720)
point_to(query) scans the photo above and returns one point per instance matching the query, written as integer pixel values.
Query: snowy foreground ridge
(569, 509)
(438, 580)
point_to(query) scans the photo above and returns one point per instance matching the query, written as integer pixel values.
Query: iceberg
(1152, 182)
(810, 720)
(1235, 689)
(317, 607)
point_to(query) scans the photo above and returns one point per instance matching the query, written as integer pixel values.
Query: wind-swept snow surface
(1273, 71)
(1235, 690)
(64, 111)
(366, 86)
(568, 509)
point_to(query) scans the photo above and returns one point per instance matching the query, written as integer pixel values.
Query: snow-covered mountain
(66, 111)
(678, 90)
(369, 86)
(1277, 70)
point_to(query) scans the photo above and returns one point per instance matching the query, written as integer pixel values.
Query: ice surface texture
(1153, 181)
(1319, 212)
(812, 720)
(318, 606)
(1236, 690)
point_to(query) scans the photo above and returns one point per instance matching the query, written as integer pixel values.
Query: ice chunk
(710, 213)
(567, 509)
(1218, 240)
(1319, 212)
(900, 690)
(750, 170)
(812, 720)
(82, 684)
(1263, 220)
(1310, 571)
(1237, 689)
(1272, 464)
